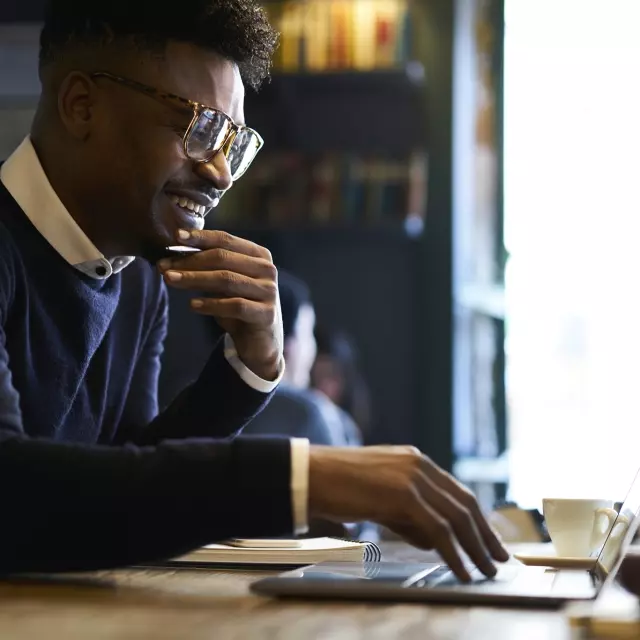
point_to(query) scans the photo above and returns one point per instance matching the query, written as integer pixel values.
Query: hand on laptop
(403, 490)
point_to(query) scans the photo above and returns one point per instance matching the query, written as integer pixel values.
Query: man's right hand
(403, 490)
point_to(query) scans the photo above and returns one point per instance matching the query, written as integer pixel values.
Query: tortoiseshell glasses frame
(210, 130)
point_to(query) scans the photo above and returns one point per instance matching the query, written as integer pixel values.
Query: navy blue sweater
(91, 475)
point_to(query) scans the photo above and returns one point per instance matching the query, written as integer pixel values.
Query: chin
(154, 249)
(162, 230)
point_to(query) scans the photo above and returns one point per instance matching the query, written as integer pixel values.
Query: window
(572, 230)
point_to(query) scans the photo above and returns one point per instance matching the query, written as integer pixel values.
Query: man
(138, 133)
(295, 410)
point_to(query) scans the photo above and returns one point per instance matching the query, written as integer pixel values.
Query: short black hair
(294, 294)
(237, 30)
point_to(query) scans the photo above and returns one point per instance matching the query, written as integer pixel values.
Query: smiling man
(139, 131)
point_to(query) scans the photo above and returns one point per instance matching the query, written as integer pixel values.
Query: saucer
(556, 562)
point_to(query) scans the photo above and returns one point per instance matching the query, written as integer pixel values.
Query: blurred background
(455, 180)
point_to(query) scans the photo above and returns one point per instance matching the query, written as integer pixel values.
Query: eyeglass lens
(208, 134)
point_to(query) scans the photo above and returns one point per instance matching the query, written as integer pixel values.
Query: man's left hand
(242, 286)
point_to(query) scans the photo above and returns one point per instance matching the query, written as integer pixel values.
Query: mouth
(197, 205)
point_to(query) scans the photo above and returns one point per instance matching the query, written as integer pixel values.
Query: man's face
(145, 188)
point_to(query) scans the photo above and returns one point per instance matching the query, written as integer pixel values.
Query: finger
(468, 500)
(236, 309)
(415, 538)
(223, 283)
(208, 239)
(491, 538)
(433, 532)
(461, 522)
(222, 259)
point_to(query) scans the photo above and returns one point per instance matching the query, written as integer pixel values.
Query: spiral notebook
(308, 551)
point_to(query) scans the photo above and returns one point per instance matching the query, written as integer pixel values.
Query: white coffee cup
(578, 527)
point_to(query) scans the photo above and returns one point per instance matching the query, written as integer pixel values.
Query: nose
(216, 171)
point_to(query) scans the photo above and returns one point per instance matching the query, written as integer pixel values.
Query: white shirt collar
(25, 179)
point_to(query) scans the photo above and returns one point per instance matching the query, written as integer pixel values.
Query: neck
(68, 183)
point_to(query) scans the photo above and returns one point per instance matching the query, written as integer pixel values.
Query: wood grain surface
(159, 604)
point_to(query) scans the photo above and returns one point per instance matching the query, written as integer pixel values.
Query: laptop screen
(627, 516)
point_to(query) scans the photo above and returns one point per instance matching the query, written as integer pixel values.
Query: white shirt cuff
(254, 381)
(300, 484)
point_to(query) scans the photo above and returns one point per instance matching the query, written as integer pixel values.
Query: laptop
(514, 584)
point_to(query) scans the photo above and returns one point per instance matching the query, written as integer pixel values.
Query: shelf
(366, 112)
(332, 233)
(482, 470)
(412, 73)
(488, 300)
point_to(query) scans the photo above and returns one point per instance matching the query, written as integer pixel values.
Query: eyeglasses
(209, 132)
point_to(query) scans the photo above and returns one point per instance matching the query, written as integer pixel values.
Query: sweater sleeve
(72, 507)
(75, 507)
(217, 405)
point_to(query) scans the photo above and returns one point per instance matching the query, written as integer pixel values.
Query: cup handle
(598, 535)
(620, 527)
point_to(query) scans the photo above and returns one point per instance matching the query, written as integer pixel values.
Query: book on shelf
(331, 189)
(334, 35)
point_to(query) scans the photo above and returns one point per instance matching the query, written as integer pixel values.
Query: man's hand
(242, 286)
(403, 490)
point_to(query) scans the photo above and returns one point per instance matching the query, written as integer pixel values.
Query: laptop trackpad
(573, 583)
(528, 581)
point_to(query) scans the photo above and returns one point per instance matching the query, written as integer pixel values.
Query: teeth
(189, 204)
(216, 202)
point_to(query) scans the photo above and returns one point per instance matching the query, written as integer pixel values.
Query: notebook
(308, 551)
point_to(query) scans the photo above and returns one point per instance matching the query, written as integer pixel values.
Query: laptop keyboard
(444, 577)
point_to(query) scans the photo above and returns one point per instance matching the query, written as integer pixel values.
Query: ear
(76, 102)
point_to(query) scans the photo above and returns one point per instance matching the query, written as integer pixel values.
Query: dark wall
(21, 10)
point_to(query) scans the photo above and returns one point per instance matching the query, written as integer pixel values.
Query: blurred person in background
(296, 410)
(335, 373)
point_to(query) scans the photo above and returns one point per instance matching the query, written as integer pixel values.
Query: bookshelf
(329, 35)
(344, 122)
(369, 111)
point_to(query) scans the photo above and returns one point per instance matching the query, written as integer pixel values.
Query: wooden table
(217, 605)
